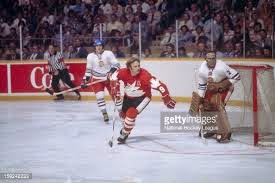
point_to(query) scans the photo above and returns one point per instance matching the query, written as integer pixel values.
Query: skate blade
(110, 143)
(121, 143)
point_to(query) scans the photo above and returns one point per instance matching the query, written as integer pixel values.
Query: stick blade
(110, 143)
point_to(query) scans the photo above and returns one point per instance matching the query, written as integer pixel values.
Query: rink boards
(26, 80)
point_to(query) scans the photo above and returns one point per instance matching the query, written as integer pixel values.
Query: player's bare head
(133, 64)
(130, 61)
(51, 49)
(211, 59)
(98, 45)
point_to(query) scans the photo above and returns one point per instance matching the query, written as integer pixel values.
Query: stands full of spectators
(228, 23)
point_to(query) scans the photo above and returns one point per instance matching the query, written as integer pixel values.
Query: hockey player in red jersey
(138, 83)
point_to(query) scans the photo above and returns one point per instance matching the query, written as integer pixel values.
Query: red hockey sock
(129, 121)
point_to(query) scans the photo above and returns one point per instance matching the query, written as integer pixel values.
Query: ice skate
(223, 138)
(105, 117)
(122, 138)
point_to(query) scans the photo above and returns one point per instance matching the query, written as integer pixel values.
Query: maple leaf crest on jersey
(132, 90)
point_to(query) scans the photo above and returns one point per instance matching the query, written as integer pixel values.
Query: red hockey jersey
(140, 84)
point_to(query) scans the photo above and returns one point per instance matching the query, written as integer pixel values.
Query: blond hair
(130, 61)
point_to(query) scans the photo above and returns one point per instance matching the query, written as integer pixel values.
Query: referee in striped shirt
(58, 69)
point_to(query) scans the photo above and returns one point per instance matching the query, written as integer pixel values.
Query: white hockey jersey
(98, 65)
(220, 72)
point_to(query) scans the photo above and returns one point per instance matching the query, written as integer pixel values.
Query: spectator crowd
(234, 28)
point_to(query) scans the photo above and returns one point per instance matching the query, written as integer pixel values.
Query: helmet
(98, 42)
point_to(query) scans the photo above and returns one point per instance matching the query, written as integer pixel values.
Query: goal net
(252, 117)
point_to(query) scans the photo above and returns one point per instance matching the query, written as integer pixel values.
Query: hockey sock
(101, 101)
(129, 121)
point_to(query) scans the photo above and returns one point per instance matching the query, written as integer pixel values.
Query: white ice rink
(66, 142)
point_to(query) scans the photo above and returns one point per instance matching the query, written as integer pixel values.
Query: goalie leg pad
(208, 127)
(224, 128)
(195, 104)
(210, 111)
(223, 125)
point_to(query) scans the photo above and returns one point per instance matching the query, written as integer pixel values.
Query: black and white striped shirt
(56, 62)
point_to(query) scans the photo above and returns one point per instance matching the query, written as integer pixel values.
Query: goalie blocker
(216, 83)
(138, 84)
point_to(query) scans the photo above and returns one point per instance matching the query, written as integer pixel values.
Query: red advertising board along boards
(32, 78)
(3, 79)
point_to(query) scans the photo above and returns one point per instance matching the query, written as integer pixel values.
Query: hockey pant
(65, 77)
(131, 107)
(99, 88)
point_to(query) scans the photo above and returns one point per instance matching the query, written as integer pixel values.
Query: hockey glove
(213, 87)
(169, 102)
(114, 87)
(112, 71)
(114, 84)
(224, 85)
(84, 82)
(162, 88)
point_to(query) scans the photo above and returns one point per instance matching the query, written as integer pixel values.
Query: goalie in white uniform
(216, 80)
(100, 65)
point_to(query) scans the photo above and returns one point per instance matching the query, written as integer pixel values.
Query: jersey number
(161, 89)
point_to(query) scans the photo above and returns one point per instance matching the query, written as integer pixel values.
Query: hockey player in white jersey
(100, 65)
(216, 83)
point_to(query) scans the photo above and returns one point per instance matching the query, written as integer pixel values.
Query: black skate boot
(59, 98)
(122, 138)
(105, 117)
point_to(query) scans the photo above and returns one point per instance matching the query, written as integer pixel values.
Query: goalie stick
(204, 140)
(70, 89)
(229, 93)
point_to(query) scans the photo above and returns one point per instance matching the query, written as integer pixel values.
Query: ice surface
(67, 142)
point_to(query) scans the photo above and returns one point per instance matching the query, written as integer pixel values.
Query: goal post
(256, 91)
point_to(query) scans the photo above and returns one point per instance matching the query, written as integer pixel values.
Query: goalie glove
(162, 88)
(224, 85)
(215, 87)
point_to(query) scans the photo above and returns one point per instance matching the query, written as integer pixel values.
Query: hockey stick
(204, 140)
(229, 93)
(113, 121)
(73, 89)
(200, 116)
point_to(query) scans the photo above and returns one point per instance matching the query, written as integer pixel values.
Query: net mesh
(253, 120)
